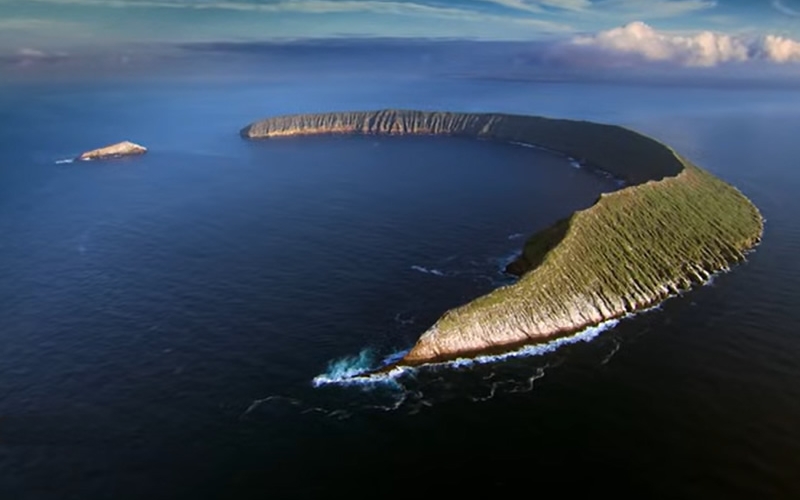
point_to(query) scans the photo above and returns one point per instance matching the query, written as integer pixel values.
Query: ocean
(175, 325)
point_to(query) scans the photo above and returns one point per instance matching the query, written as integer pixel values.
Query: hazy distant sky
(744, 37)
(28, 23)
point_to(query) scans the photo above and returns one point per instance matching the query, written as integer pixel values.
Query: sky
(562, 33)
(75, 22)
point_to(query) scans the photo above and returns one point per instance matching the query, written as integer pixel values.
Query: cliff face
(120, 149)
(671, 229)
(624, 153)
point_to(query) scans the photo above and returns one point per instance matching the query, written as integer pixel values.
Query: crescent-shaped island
(670, 228)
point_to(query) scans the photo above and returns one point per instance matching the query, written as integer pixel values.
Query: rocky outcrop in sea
(118, 150)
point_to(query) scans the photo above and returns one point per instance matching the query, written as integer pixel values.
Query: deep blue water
(162, 318)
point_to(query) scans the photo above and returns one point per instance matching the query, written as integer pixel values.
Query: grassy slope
(630, 250)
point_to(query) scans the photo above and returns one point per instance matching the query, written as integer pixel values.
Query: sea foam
(425, 270)
(357, 370)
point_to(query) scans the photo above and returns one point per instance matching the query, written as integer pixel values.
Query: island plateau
(117, 150)
(670, 228)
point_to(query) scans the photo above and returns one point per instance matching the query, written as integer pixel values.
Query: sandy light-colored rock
(120, 149)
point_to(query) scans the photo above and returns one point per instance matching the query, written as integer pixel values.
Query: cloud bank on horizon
(556, 35)
(638, 42)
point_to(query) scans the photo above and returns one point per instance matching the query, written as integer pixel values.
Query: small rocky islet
(118, 150)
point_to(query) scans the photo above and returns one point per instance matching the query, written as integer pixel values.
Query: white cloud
(30, 24)
(392, 7)
(31, 53)
(28, 56)
(652, 9)
(612, 8)
(566, 4)
(601, 8)
(309, 6)
(518, 5)
(785, 9)
(535, 6)
(637, 42)
(780, 49)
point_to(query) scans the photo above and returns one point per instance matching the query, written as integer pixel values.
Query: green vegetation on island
(671, 228)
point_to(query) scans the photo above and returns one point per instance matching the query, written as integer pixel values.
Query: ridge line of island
(671, 228)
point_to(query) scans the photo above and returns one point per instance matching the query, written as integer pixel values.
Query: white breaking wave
(400, 319)
(614, 350)
(258, 402)
(536, 146)
(349, 366)
(585, 335)
(503, 262)
(510, 387)
(66, 160)
(355, 370)
(425, 270)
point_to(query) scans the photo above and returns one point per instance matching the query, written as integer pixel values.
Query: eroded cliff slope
(673, 227)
